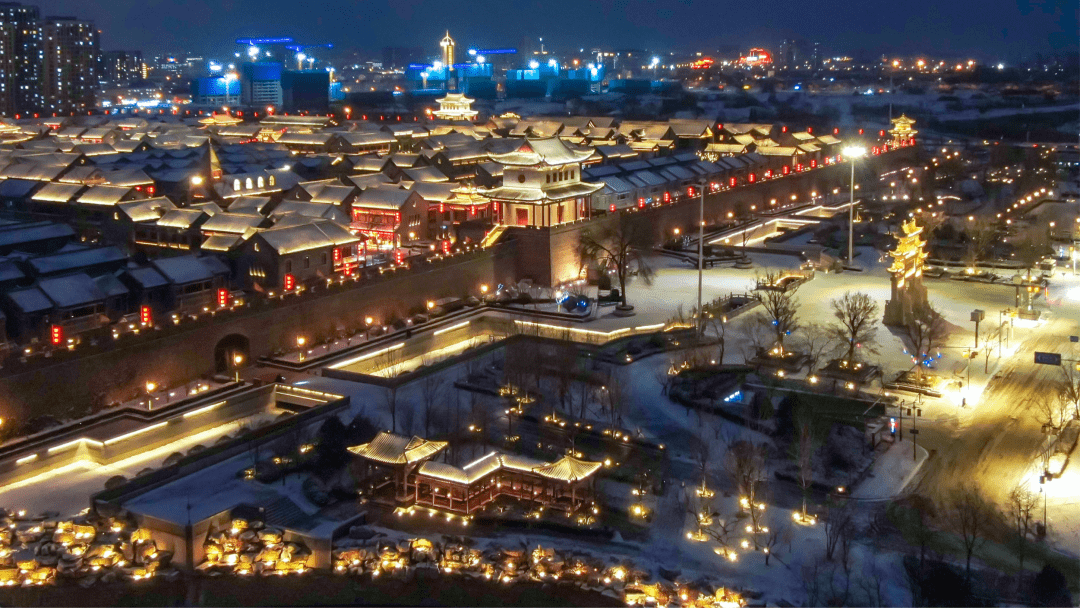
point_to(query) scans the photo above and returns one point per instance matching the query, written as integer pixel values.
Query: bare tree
(925, 331)
(717, 324)
(1053, 411)
(817, 343)
(837, 522)
(746, 464)
(1031, 246)
(779, 308)
(857, 320)
(930, 222)
(968, 515)
(980, 235)
(753, 338)
(777, 536)
(803, 453)
(390, 401)
(988, 336)
(564, 362)
(1019, 506)
(915, 520)
(623, 246)
(1069, 387)
(614, 394)
(431, 388)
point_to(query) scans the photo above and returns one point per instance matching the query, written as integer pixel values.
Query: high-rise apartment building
(70, 67)
(119, 67)
(22, 62)
(260, 83)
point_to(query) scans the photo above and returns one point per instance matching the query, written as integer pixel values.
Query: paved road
(998, 442)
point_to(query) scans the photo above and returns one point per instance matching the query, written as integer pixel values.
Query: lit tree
(925, 331)
(779, 309)
(745, 463)
(716, 321)
(802, 451)
(856, 324)
(621, 246)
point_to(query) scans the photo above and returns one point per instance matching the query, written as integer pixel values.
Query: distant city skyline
(988, 30)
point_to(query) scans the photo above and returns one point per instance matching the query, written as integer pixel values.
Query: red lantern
(786, 170)
(611, 207)
(145, 316)
(733, 181)
(290, 282)
(667, 197)
(222, 298)
(751, 178)
(641, 203)
(56, 335)
(813, 163)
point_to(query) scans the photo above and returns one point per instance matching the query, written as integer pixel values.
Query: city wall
(115, 373)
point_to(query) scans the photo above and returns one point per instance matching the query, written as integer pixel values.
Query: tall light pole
(701, 256)
(852, 152)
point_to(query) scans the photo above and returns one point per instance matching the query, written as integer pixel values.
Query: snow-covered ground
(892, 471)
(653, 415)
(67, 489)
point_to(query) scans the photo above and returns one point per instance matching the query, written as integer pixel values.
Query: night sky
(985, 29)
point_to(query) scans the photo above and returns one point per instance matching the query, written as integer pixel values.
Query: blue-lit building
(260, 84)
(215, 91)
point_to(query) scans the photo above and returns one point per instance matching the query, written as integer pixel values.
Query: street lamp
(300, 340)
(238, 360)
(150, 386)
(852, 152)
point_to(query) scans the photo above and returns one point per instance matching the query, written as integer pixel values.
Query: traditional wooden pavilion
(402, 455)
(566, 484)
(542, 184)
(455, 106)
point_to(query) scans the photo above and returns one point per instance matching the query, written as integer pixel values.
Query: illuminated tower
(447, 44)
(902, 131)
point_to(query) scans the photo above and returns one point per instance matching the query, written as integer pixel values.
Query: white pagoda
(455, 106)
(541, 184)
